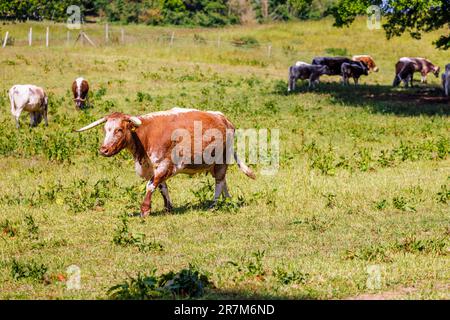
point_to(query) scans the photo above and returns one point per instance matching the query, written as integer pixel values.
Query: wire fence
(95, 36)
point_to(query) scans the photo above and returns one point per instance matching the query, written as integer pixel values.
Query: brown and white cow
(166, 143)
(368, 61)
(80, 90)
(421, 65)
(30, 98)
(404, 71)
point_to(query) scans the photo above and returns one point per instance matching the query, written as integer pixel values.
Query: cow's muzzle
(106, 151)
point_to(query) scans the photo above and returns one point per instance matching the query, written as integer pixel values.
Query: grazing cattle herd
(150, 139)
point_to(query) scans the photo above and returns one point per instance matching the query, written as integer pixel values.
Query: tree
(412, 16)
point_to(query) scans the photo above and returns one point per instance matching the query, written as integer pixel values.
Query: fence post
(122, 35)
(6, 39)
(269, 50)
(47, 36)
(218, 42)
(30, 37)
(68, 36)
(106, 33)
(171, 38)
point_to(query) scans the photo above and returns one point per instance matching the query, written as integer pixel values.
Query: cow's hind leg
(165, 193)
(219, 172)
(225, 192)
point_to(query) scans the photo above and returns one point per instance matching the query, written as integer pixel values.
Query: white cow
(31, 99)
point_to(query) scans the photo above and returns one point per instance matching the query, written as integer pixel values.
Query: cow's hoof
(169, 209)
(145, 214)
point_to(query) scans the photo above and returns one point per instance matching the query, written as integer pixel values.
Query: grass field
(363, 183)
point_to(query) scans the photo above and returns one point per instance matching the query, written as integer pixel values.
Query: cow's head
(325, 70)
(436, 71)
(79, 102)
(118, 132)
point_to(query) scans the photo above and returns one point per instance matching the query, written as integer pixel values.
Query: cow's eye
(119, 131)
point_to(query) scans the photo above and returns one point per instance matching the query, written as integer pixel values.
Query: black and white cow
(334, 64)
(353, 70)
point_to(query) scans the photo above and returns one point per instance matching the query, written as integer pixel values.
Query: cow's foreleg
(161, 174)
(165, 193)
(423, 78)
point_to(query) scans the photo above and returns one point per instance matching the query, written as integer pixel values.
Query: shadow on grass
(419, 100)
(221, 206)
(219, 294)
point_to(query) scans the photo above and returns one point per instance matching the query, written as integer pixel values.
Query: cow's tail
(244, 168)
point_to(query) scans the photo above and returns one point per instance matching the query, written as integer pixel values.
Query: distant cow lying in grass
(29, 98)
(353, 70)
(166, 143)
(305, 71)
(446, 80)
(404, 71)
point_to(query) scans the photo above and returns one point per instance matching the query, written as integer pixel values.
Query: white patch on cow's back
(175, 111)
(170, 112)
(301, 63)
(79, 81)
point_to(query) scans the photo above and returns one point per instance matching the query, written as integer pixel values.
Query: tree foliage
(157, 12)
(403, 16)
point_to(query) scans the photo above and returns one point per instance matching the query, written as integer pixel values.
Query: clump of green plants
(314, 223)
(28, 270)
(443, 195)
(290, 277)
(401, 203)
(245, 42)
(124, 237)
(253, 266)
(8, 228)
(32, 227)
(186, 283)
(82, 197)
(410, 244)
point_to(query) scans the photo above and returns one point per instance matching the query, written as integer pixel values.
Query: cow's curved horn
(136, 121)
(92, 125)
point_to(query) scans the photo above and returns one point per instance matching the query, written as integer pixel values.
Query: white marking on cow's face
(110, 131)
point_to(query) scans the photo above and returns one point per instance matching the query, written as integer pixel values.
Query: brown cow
(421, 65)
(80, 90)
(368, 61)
(166, 143)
